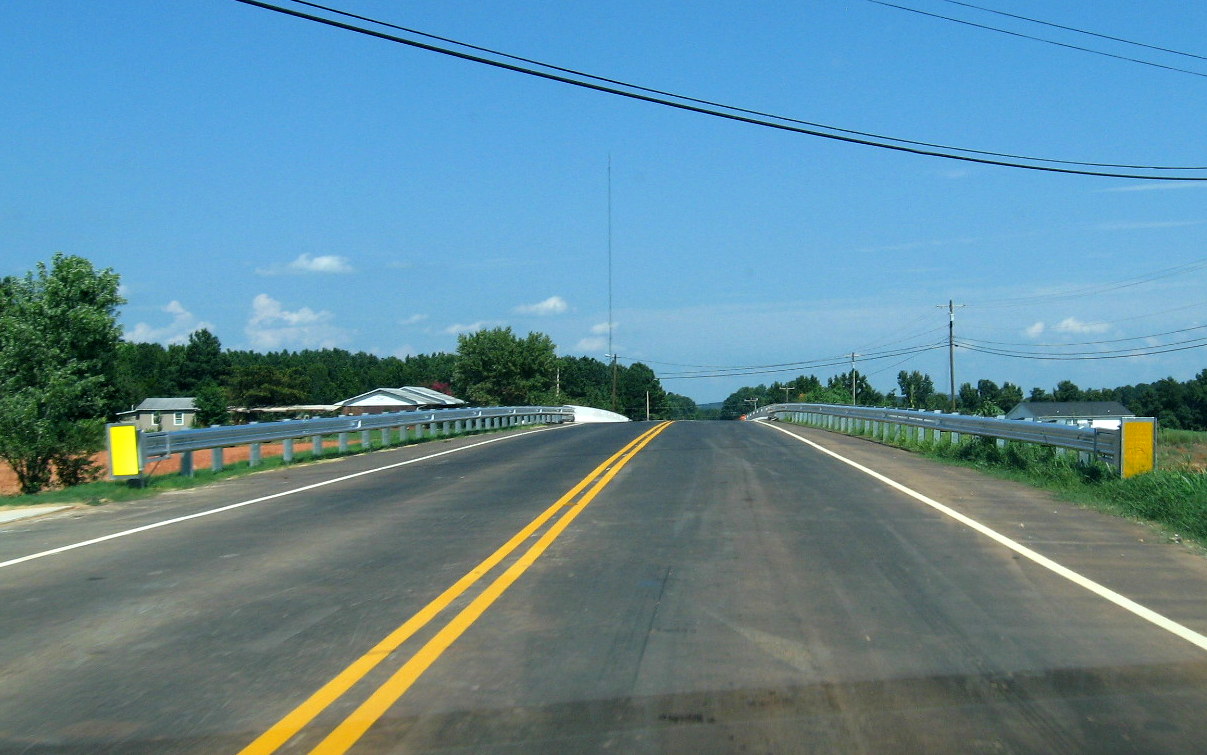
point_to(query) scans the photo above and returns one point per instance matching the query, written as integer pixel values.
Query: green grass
(107, 491)
(1184, 450)
(1175, 498)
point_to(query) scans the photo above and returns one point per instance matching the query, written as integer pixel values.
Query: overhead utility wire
(1099, 288)
(732, 116)
(735, 109)
(1075, 29)
(821, 363)
(1062, 358)
(1135, 351)
(711, 367)
(794, 365)
(1084, 343)
(1038, 39)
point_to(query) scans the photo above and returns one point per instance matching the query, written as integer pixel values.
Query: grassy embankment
(1174, 495)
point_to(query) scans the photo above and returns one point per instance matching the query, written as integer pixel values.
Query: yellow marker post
(1137, 446)
(125, 453)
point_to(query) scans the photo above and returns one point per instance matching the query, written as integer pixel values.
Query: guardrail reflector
(125, 459)
(1137, 446)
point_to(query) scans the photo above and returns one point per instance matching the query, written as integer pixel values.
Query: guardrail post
(366, 440)
(458, 427)
(186, 464)
(287, 450)
(343, 443)
(216, 459)
(253, 455)
(316, 446)
(386, 437)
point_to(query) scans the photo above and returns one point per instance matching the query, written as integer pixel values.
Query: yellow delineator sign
(125, 458)
(1137, 446)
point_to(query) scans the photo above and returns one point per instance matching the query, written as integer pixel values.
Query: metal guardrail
(437, 422)
(1100, 444)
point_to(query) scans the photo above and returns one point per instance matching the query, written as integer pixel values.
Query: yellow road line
(359, 721)
(299, 717)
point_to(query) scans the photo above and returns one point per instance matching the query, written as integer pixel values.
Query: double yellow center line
(379, 701)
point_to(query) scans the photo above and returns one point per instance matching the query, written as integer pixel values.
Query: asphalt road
(718, 587)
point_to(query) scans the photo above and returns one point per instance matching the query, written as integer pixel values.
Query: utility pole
(557, 384)
(611, 324)
(951, 351)
(647, 406)
(786, 389)
(853, 401)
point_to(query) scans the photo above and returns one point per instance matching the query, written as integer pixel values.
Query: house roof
(1070, 409)
(185, 404)
(405, 396)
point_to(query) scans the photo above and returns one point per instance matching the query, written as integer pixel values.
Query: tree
(1066, 390)
(1009, 396)
(58, 352)
(635, 385)
(497, 367)
(201, 362)
(263, 385)
(916, 388)
(210, 400)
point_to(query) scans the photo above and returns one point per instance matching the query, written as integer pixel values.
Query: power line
(842, 360)
(733, 108)
(1086, 343)
(736, 114)
(1038, 39)
(1075, 29)
(1193, 343)
(795, 365)
(1098, 288)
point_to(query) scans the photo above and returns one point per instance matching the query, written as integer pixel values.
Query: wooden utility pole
(853, 401)
(951, 351)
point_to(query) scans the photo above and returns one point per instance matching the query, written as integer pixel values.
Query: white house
(407, 398)
(162, 414)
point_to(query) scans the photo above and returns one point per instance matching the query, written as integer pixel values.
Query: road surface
(689, 587)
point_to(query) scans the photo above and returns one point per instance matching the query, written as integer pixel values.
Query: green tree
(1066, 390)
(917, 389)
(636, 385)
(261, 385)
(58, 352)
(1009, 396)
(202, 361)
(210, 401)
(497, 367)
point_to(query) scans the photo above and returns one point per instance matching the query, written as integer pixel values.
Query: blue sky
(289, 185)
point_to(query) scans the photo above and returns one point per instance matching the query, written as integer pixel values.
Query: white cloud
(273, 327)
(1035, 330)
(183, 323)
(594, 343)
(470, 328)
(413, 320)
(305, 263)
(602, 328)
(554, 305)
(1156, 186)
(1144, 226)
(1075, 326)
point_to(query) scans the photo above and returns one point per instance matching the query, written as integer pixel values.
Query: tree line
(1175, 404)
(65, 370)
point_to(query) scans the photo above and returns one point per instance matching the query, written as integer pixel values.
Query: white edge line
(1147, 614)
(219, 510)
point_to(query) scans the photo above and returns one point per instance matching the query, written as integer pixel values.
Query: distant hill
(714, 405)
